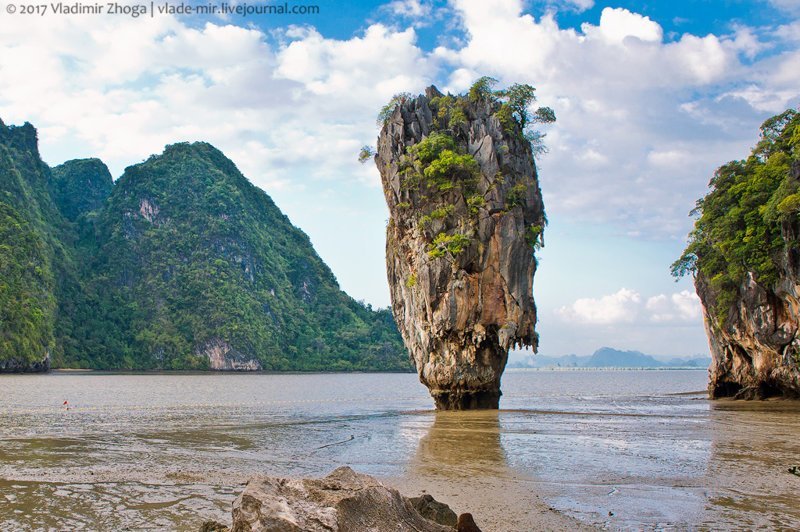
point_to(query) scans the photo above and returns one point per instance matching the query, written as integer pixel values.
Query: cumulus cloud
(642, 121)
(628, 306)
(619, 307)
(616, 25)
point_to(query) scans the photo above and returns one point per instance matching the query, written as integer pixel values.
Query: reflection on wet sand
(753, 446)
(461, 445)
(462, 462)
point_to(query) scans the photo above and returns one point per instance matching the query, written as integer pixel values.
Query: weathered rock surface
(459, 313)
(756, 351)
(222, 357)
(433, 510)
(14, 365)
(343, 501)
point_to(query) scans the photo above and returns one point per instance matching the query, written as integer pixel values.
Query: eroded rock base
(467, 399)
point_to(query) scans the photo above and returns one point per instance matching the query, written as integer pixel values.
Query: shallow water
(620, 449)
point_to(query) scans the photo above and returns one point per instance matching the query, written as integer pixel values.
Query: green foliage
(431, 147)
(365, 154)
(444, 245)
(739, 227)
(474, 203)
(411, 281)
(27, 302)
(516, 195)
(449, 167)
(482, 90)
(437, 214)
(790, 204)
(388, 109)
(80, 187)
(449, 111)
(515, 117)
(184, 252)
(437, 162)
(403, 205)
(534, 236)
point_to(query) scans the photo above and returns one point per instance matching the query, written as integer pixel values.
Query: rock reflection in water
(461, 460)
(461, 445)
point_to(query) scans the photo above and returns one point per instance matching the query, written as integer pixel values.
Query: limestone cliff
(745, 254)
(756, 349)
(466, 215)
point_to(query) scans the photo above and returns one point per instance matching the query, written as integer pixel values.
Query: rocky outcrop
(15, 365)
(342, 501)
(222, 357)
(756, 348)
(435, 511)
(466, 214)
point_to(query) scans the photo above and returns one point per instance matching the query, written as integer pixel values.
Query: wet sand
(613, 450)
(461, 462)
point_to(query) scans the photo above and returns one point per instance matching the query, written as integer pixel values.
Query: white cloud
(414, 9)
(620, 307)
(616, 25)
(581, 5)
(790, 6)
(642, 122)
(627, 307)
(681, 307)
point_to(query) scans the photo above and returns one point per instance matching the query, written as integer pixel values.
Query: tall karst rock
(466, 216)
(745, 255)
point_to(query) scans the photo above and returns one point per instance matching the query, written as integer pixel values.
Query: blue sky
(651, 96)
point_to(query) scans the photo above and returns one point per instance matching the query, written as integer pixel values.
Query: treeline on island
(180, 264)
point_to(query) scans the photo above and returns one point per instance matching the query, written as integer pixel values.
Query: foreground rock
(466, 215)
(343, 501)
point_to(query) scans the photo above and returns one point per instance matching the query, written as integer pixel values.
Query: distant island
(607, 357)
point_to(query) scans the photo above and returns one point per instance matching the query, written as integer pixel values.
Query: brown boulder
(343, 501)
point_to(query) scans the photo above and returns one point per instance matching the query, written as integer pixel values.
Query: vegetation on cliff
(739, 227)
(183, 264)
(36, 266)
(466, 216)
(437, 172)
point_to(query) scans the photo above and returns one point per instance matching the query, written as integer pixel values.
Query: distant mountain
(180, 264)
(607, 357)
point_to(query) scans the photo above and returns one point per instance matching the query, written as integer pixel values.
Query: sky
(650, 98)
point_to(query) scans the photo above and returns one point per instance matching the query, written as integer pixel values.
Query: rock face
(755, 354)
(744, 252)
(756, 351)
(342, 501)
(222, 357)
(466, 214)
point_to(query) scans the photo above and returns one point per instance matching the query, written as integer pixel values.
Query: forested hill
(182, 264)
